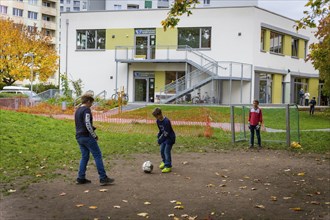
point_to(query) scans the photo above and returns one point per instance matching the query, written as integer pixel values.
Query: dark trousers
(311, 109)
(252, 129)
(306, 102)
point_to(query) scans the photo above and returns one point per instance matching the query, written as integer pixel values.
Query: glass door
(140, 90)
(141, 44)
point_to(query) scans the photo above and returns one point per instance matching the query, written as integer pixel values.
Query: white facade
(235, 37)
(73, 5)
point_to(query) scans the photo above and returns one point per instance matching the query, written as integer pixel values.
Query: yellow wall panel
(301, 49)
(313, 87)
(168, 37)
(119, 37)
(287, 45)
(277, 89)
(267, 40)
(159, 80)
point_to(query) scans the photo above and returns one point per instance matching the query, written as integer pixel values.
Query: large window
(294, 47)
(262, 39)
(3, 9)
(276, 40)
(33, 2)
(195, 37)
(17, 12)
(32, 15)
(90, 39)
(207, 2)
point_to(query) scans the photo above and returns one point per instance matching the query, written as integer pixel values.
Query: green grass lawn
(34, 147)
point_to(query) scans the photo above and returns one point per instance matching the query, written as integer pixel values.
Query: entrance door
(144, 89)
(141, 43)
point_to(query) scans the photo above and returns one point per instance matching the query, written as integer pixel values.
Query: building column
(277, 88)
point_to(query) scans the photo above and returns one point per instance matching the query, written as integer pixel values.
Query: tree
(318, 17)
(17, 40)
(179, 8)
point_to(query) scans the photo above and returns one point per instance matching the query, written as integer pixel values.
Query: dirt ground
(214, 185)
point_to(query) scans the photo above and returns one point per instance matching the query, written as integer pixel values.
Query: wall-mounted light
(289, 70)
(113, 36)
(239, 34)
(127, 35)
(111, 77)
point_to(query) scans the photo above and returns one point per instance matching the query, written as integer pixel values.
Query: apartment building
(153, 4)
(73, 5)
(222, 55)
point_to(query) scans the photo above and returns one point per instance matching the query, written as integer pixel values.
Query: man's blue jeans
(89, 145)
(165, 152)
(252, 129)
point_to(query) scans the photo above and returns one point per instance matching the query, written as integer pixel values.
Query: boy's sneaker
(162, 165)
(82, 181)
(106, 181)
(166, 170)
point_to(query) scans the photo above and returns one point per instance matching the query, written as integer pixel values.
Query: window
(76, 9)
(62, 1)
(67, 9)
(90, 39)
(117, 7)
(132, 6)
(172, 76)
(207, 2)
(68, 1)
(147, 4)
(195, 37)
(305, 49)
(276, 43)
(294, 47)
(33, 2)
(62, 8)
(46, 18)
(3, 9)
(47, 4)
(17, 12)
(262, 39)
(32, 15)
(32, 28)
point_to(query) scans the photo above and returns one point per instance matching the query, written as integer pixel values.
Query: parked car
(22, 91)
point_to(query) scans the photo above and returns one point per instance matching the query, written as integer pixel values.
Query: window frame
(279, 38)
(97, 35)
(3, 9)
(20, 14)
(200, 39)
(33, 15)
(262, 39)
(294, 43)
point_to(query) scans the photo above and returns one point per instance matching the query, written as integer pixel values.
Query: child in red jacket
(255, 120)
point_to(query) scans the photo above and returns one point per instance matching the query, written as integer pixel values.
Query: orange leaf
(92, 207)
(80, 205)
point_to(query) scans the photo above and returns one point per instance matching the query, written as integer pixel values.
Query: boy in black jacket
(166, 139)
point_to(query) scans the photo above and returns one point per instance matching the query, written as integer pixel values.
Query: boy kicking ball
(166, 139)
(255, 120)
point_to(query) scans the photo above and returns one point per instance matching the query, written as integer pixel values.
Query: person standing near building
(87, 140)
(301, 96)
(255, 121)
(312, 104)
(307, 95)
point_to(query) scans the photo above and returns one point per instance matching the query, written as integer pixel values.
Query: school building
(221, 55)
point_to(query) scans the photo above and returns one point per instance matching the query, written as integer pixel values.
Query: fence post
(232, 122)
(287, 113)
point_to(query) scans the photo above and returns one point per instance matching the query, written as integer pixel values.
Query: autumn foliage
(17, 40)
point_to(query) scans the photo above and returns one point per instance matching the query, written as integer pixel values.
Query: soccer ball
(147, 167)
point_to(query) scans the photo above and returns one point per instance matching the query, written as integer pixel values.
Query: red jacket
(255, 116)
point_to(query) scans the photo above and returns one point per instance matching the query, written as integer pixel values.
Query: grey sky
(289, 8)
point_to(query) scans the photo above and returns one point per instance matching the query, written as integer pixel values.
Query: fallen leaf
(192, 217)
(176, 218)
(92, 207)
(267, 184)
(147, 203)
(184, 216)
(273, 198)
(173, 201)
(210, 185)
(38, 175)
(218, 174)
(63, 194)
(80, 205)
(12, 190)
(185, 162)
(178, 203)
(327, 203)
(116, 206)
(286, 198)
(125, 201)
(179, 207)
(171, 215)
(96, 219)
(301, 174)
(222, 185)
(103, 190)
(253, 188)
(315, 202)
(296, 209)
(212, 213)
(260, 206)
(287, 170)
(317, 193)
(143, 214)
(242, 187)
(246, 177)
(187, 177)
(86, 191)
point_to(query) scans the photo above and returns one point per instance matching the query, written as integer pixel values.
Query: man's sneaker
(162, 165)
(166, 170)
(106, 181)
(82, 181)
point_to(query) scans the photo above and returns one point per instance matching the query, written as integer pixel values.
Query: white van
(21, 90)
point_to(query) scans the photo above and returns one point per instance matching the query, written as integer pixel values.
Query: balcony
(49, 25)
(48, 11)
